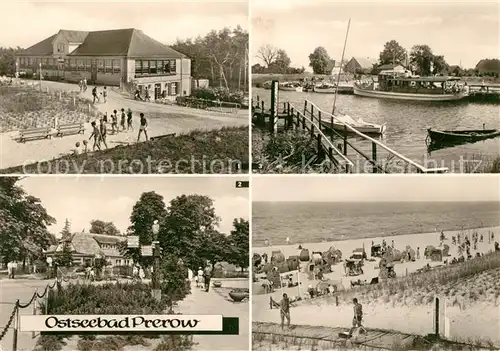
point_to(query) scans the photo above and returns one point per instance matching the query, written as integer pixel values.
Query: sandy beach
(479, 320)
(172, 119)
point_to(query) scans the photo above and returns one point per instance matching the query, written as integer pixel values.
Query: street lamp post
(155, 279)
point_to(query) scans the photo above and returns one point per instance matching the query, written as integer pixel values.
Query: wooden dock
(331, 144)
(328, 338)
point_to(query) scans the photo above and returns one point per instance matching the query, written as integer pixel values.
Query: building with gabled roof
(85, 247)
(360, 65)
(110, 57)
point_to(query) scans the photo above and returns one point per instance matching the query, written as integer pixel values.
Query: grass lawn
(198, 152)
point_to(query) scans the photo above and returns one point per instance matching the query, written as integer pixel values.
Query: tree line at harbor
(421, 59)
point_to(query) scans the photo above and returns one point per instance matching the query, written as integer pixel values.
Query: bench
(162, 136)
(34, 133)
(70, 128)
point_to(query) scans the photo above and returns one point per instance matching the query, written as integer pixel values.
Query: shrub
(221, 94)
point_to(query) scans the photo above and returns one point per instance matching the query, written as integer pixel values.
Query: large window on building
(60, 48)
(116, 66)
(173, 88)
(155, 67)
(170, 66)
(108, 66)
(138, 67)
(100, 66)
(88, 65)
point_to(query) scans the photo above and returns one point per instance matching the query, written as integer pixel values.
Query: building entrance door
(157, 91)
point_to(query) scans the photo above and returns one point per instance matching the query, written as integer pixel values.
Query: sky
(27, 22)
(386, 188)
(464, 32)
(111, 199)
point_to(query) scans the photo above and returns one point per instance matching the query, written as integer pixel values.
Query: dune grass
(23, 107)
(201, 152)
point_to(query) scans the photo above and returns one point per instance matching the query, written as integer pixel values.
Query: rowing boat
(359, 125)
(459, 136)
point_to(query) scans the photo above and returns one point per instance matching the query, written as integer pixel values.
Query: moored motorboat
(290, 86)
(359, 125)
(461, 136)
(325, 88)
(396, 87)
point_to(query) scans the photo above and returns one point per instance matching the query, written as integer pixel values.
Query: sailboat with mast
(340, 120)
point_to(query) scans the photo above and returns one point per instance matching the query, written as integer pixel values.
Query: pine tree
(66, 231)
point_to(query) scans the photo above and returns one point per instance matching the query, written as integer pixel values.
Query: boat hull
(461, 137)
(296, 89)
(362, 129)
(407, 96)
(324, 91)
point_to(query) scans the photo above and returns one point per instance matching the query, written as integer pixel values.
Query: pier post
(289, 117)
(292, 114)
(273, 119)
(345, 140)
(318, 143)
(374, 157)
(305, 107)
(319, 119)
(331, 126)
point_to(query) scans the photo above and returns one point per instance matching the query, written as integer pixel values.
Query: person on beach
(84, 84)
(288, 240)
(458, 238)
(358, 315)
(114, 122)
(105, 117)
(207, 274)
(392, 244)
(129, 120)
(85, 145)
(104, 131)
(96, 134)
(285, 311)
(80, 85)
(481, 238)
(104, 94)
(143, 128)
(453, 240)
(418, 253)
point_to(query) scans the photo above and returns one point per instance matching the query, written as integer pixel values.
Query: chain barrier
(12, 315)
(18, 305)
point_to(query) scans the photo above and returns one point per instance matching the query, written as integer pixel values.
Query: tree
(217, 247)
(268, 54)
(23, 222)
(320, 61)
(439, 64)
(187, 227)
(147, 209)
(8, 60)
(281, 63)
(220, 56)
(65, 257)
(239, 239)
(173, 280)
(101, 227)
(66, 231)
(421, 58)
(392, 52)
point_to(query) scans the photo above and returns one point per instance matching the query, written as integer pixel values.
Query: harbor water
(308, 222)
(407, 124)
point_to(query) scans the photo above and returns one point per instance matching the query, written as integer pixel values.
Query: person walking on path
(103, 129)
(207, 275)
(114, 122)
(129, 120)
(143, 128)
(200, 278)
(123, 119)
(94, 95)
(358, 315)
(84, 84)
(285, 311)
(104, 95)
(97, 136)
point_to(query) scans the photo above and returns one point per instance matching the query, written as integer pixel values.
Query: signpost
(146, 250)
(133, 242)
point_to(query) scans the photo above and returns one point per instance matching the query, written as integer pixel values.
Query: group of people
(203, 278)
(100, 131)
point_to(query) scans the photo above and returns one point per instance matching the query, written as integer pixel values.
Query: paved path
(10, 291)
(162, 119)
(201, 302)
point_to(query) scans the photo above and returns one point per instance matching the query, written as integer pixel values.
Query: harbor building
(111, 57)
(362, 65)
